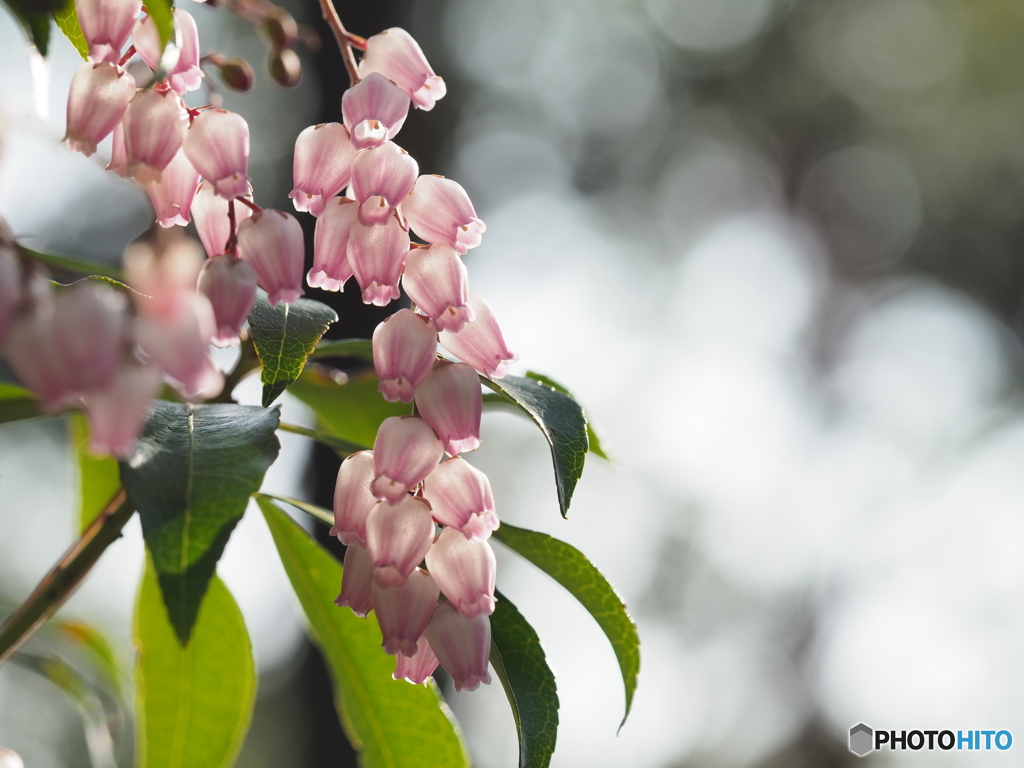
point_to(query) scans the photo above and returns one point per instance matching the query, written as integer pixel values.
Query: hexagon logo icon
(861, 740)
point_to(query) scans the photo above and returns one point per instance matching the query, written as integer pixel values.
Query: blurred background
(774, 246)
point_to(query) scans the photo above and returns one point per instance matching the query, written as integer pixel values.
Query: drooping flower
(331, 267)
(397, 538)
(405, 451)
(154, 128)
(118, 411)
(462, 644)
(460, 497)
(107, 25)
(381, 178)
(98, 96)
(439, 211)
(374, 110)
(177, 344)
(416, 668)
(90, 330)
(38, 362)
(404, 349)
(356, 580)
(186, 74)
(464, 570)
(437, 282)
(352, 498)
(272, 242)
(321, 166)
(230, 285)
(396, 55)
(172, 196)
(118, 154)
(164, 273)
(210, 213)
(480, 342)
(404, 611)
(218, 146)
(377, 256)
(450, 401)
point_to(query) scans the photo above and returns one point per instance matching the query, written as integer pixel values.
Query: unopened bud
(236, 74)
(281, 29)
(285, 68)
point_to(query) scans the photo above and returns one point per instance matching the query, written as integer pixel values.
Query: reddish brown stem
(249, 204)
(127, 56)
(344, 38)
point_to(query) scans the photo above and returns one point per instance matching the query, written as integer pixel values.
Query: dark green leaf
(561, 420)
(17, 404)
(99, 477)
(67, 22)
(190, 477)
(570, 568)
(518, 658)
(351, 410)
(161, 11)
(592, 435)
(193, 704)
(285, 336)
(358, 349)
(392, 723)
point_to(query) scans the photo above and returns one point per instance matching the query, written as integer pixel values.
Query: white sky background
(871, 514)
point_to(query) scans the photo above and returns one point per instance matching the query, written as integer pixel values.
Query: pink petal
(460, 497)
(381, 178)
(416, 668)
(397, 537)
(218, 146)
(464, 570)
(450, 401)
(172, 196)
(97, 100)
(377, 256)
(352, 498)
(463, 645)
(321, 167)
(355, 581)
(397, 56)
(404, 611)
(405, 451)
(272, 241)
(480, 342)
(230, 285)
(374, 111)
(331, 268)
(210, 213)
(439, 211)
(437, 282)
(404, 350)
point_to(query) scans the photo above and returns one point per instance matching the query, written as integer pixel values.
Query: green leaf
(570, 568)
(317, 513)
(190, 477)
(529, 684)
(99, 477)
(161, 11)
(67, 22)
(393, 723)
(359, 349)
(592, 435)
(562, 421)
(17, 404)
(193, 703)
(285, 336)
(73, 266)
(351, 409)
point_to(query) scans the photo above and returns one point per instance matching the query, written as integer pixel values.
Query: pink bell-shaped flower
(172, 196)
(210, 213)
(97, 99)
(464, 570)
(396, 55)
(186, 75)
(419, 667)
(437, 282)
(117, 413)
(460, 497)
(230, 285)
(462, 644)
(273, 243)
(405, 451)
(381, 178)
(107, 25)
(321, 166)
(164, 274)
(352, 498)
(439, 211)
(90, 329)
(155, 124)
(356, 580)
(397, 537)
(404, 350)
(404, 611)
(177, 344)
(377, 256)
(218, 146)
(118, 154)
(480, 342)
(331, 267)
(450, 401)
(38, 363)
(374, 110)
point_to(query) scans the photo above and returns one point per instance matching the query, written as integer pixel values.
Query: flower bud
(374, 110)
(437, 282)
(460, 497)
(352, 498)
(381, 178)
(450, 401)
(464, 570)
(405, 451)
(218, 146)
(97, 99)
(397, 537)
(321, 166)
(377, 256)
(396, 55)
(106, 26)
(480, 342)
(172, 196)
(416, 668)
(463, 645)
(117, 413)
(331, 267)
(210, 213)
(272, 242)
(285, 68)
(236, 74)
(154, 127)
(281, 28)
(439, 211)
(404, 611)
(356, 580)
(404, 350)
(230, 285)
